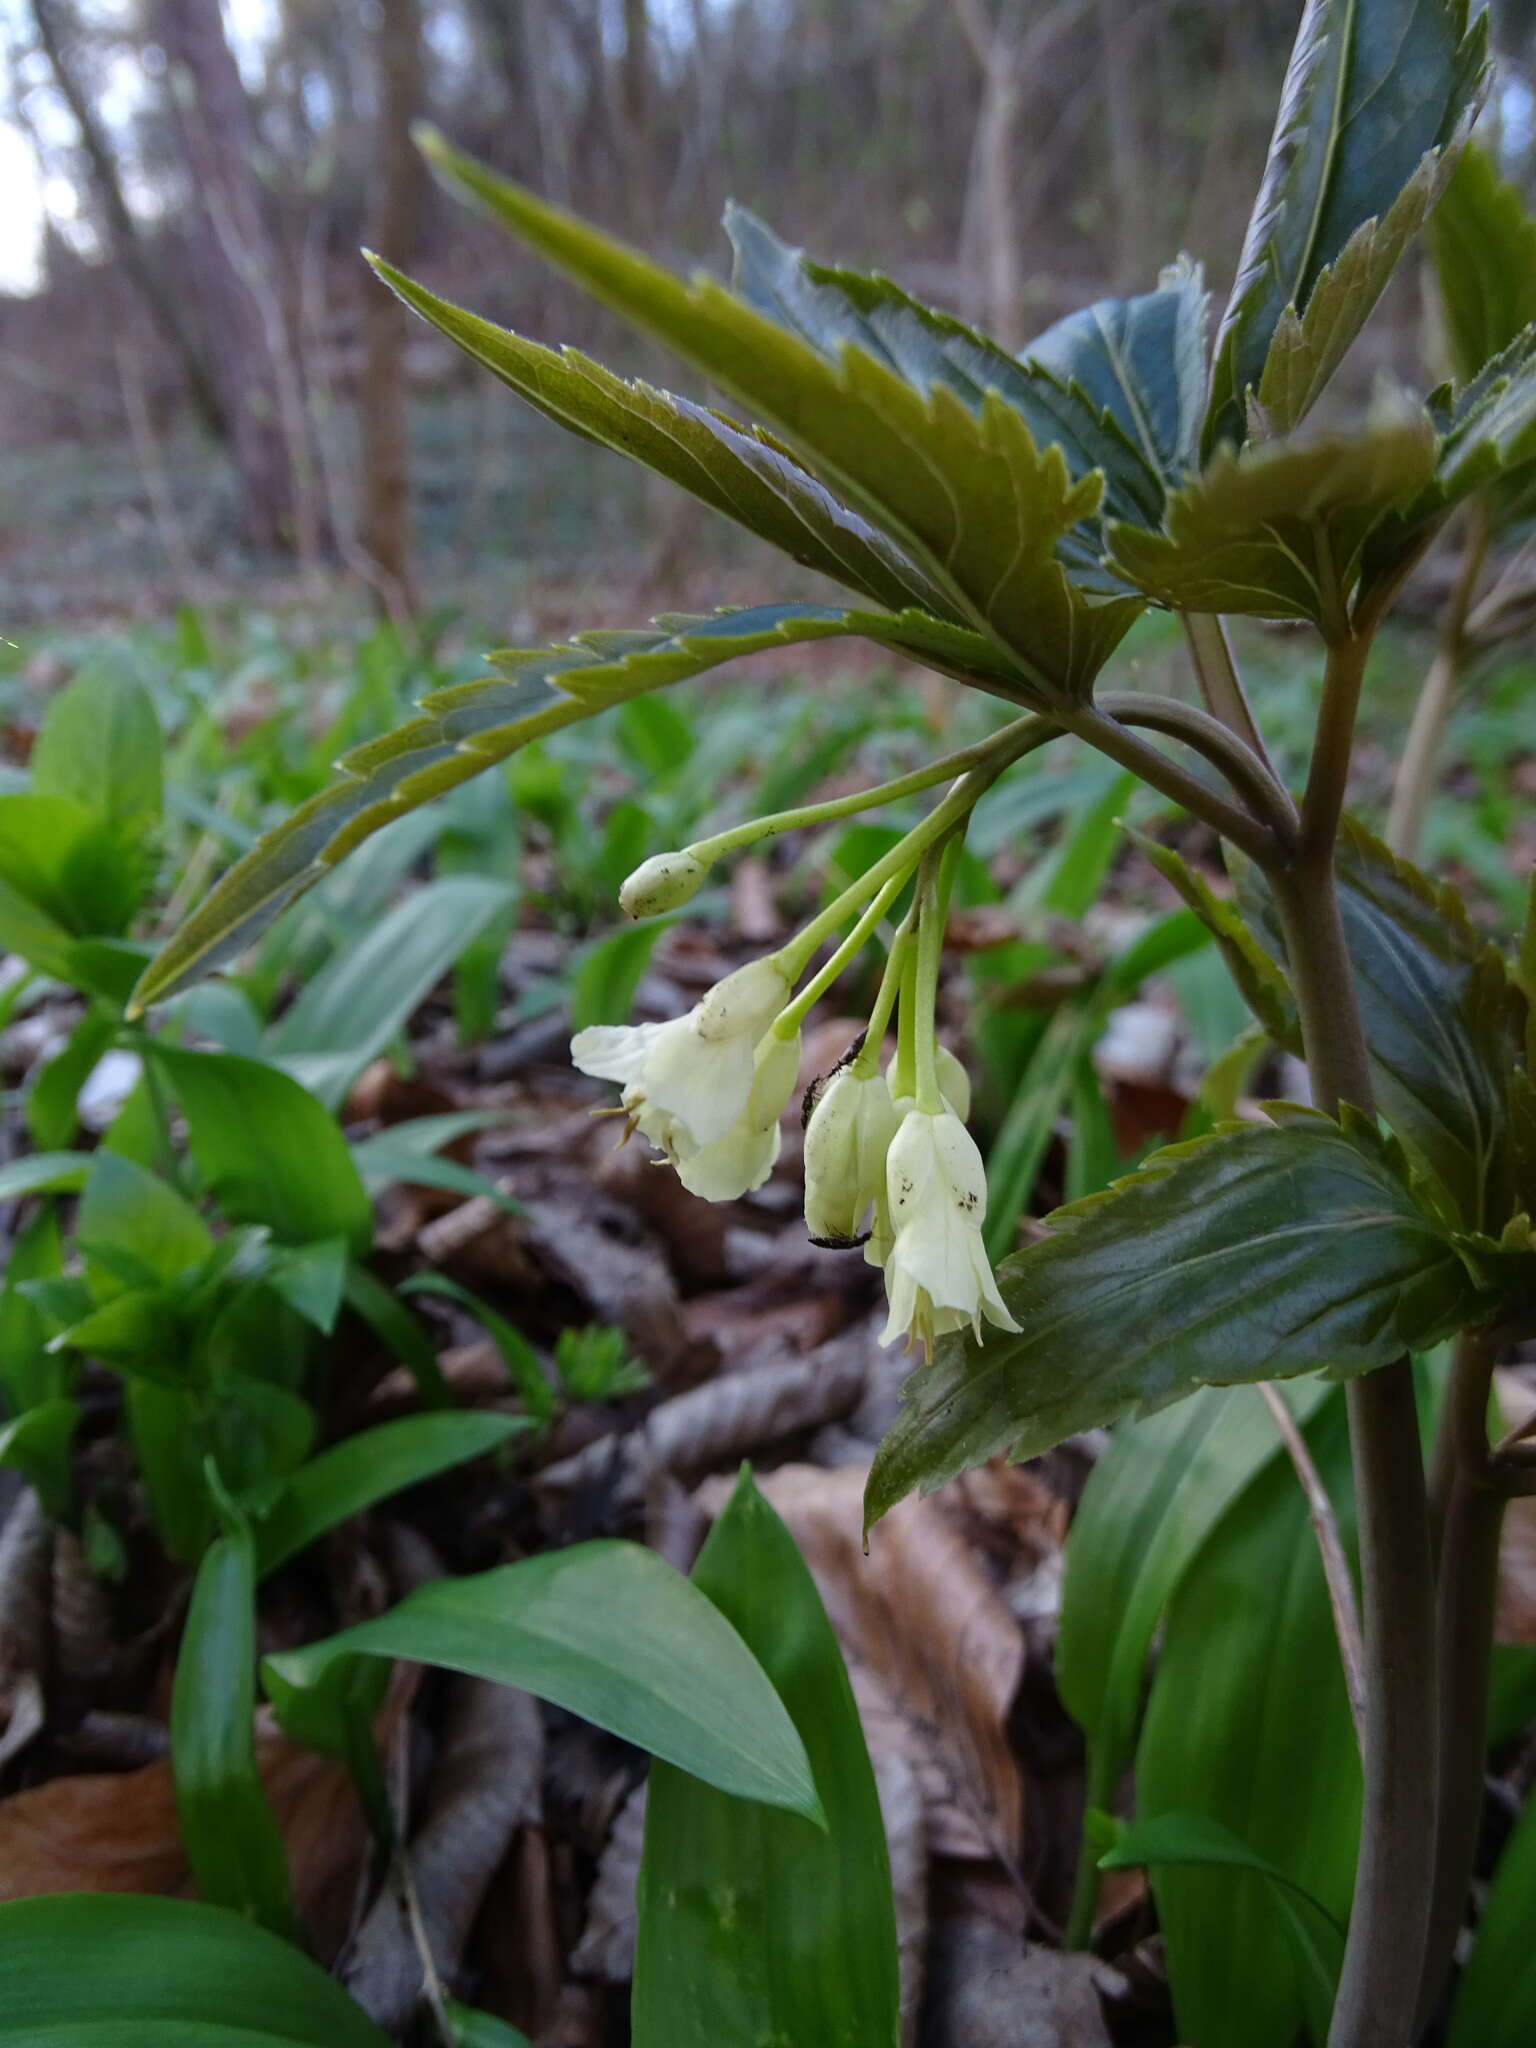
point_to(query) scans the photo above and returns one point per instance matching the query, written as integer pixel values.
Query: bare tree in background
(386, 523)
(138, 265)
(236, 271)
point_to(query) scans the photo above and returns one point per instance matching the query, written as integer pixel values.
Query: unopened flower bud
(664, 882)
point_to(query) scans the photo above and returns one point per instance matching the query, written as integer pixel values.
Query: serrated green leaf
(606, 1630)
(1278, 530)
(736, 470)
(1444, 1026)
(963, 490)
(1483, 240)
(1374, 88)
(1490, 434)
(468, 727)
(1260, 1253)
(754, 1925)
(91, 1970)
(1248, 1645)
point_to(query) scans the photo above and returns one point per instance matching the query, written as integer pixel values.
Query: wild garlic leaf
(1374, 89)
(1260, 1253)
(1483, 241)
(1278, 530)
(727, 466)
(963, 489)
(464, 729)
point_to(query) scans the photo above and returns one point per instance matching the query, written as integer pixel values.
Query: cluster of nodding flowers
(889, 1163)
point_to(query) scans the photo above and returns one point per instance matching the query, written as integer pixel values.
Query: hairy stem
(1416, 771)
(1378, 1992)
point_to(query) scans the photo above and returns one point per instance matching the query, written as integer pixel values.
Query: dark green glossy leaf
(1374, 88)
(1279, 530)
(1490, 432)
(52, 1173)
(227, 1828)
(1148, 1509)
(963, 488)
(94, 1970)
(754, 1925)
(1260, 1253)
(1193, 1841)
(267, 1150)
(1496, 2003)
(734, 469)
(1443, 1024)
(608, 1631)
(1483, 239)
(38, 1445)
(51, 1112)
(1247, 1706)
(464, 729)
(367, 1468)
(471, 2029)
(135, 1229)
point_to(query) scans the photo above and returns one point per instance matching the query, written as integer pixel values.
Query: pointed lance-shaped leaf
(1377, 92)
(469, 726)
(964, 490)
(730, 468)
(1262, 1252)
(1483, 241)
(1279, 530)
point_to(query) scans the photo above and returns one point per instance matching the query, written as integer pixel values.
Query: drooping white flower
(687, 1082)
(937, 1274)
(846, 1139)
(664, 882)
(954, 1085)
(742, 1157)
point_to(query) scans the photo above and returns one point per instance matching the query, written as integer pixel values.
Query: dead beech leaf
(987, 1989)
(934, 1655)
(606, 1949)
(906, 1841)
(484, 1786)
(26, 1553)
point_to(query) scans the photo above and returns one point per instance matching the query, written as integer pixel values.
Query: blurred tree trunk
(386, 533)
(134, 260)
(635, 102)
(235, 271)
(1119, 35)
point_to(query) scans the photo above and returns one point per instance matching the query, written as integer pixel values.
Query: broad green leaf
(259, 1432)
(468, 727)
(735, 470)
(1260, 1253)
(311, 1278)
(1034, 1111)
(471, 2029)
(1496, 2002)
(1377, 91)
(266, 1149)
(962, 488)
(518, 1355)
(227, 1828)
(1443, 1024)
(38, 1445)
(1256, 973)
(98, 1970)
(609, 1631)
(1149, 1507)
(30, 1373)
(100, 746)
(33, 934)
(1247, 1709)
(609, 971)
(1483, 240)
(1490, 432)
(1194, 1841)
(366, 992)
(1279, 530)
(135, 1228)
(400, 1332)
(44, 1173)
(51, 1113)
(169, 1450)
(367, 1468)
(68, 867)
(387, 1160)
(754, 1925)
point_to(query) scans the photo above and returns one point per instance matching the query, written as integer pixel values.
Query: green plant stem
(868, 1061)
(1220, 684)
(790, 1017)
(1416, 771)
(1328, 776)
(1248, 772)
(1098, 1794)
(1469, 1568)
(1112, 736)
(1378, 1991)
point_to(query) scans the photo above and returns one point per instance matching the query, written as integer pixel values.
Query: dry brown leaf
(934, 1654)
(988, 1990)
(607, 1946)
(26, 1552)
(484, 1786)
(906, 1841)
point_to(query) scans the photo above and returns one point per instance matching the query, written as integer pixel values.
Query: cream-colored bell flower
(664, 882)
(742, 1158)
(687, 1082)
(954, 1085)
(937, 1274)
(846, 1139)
